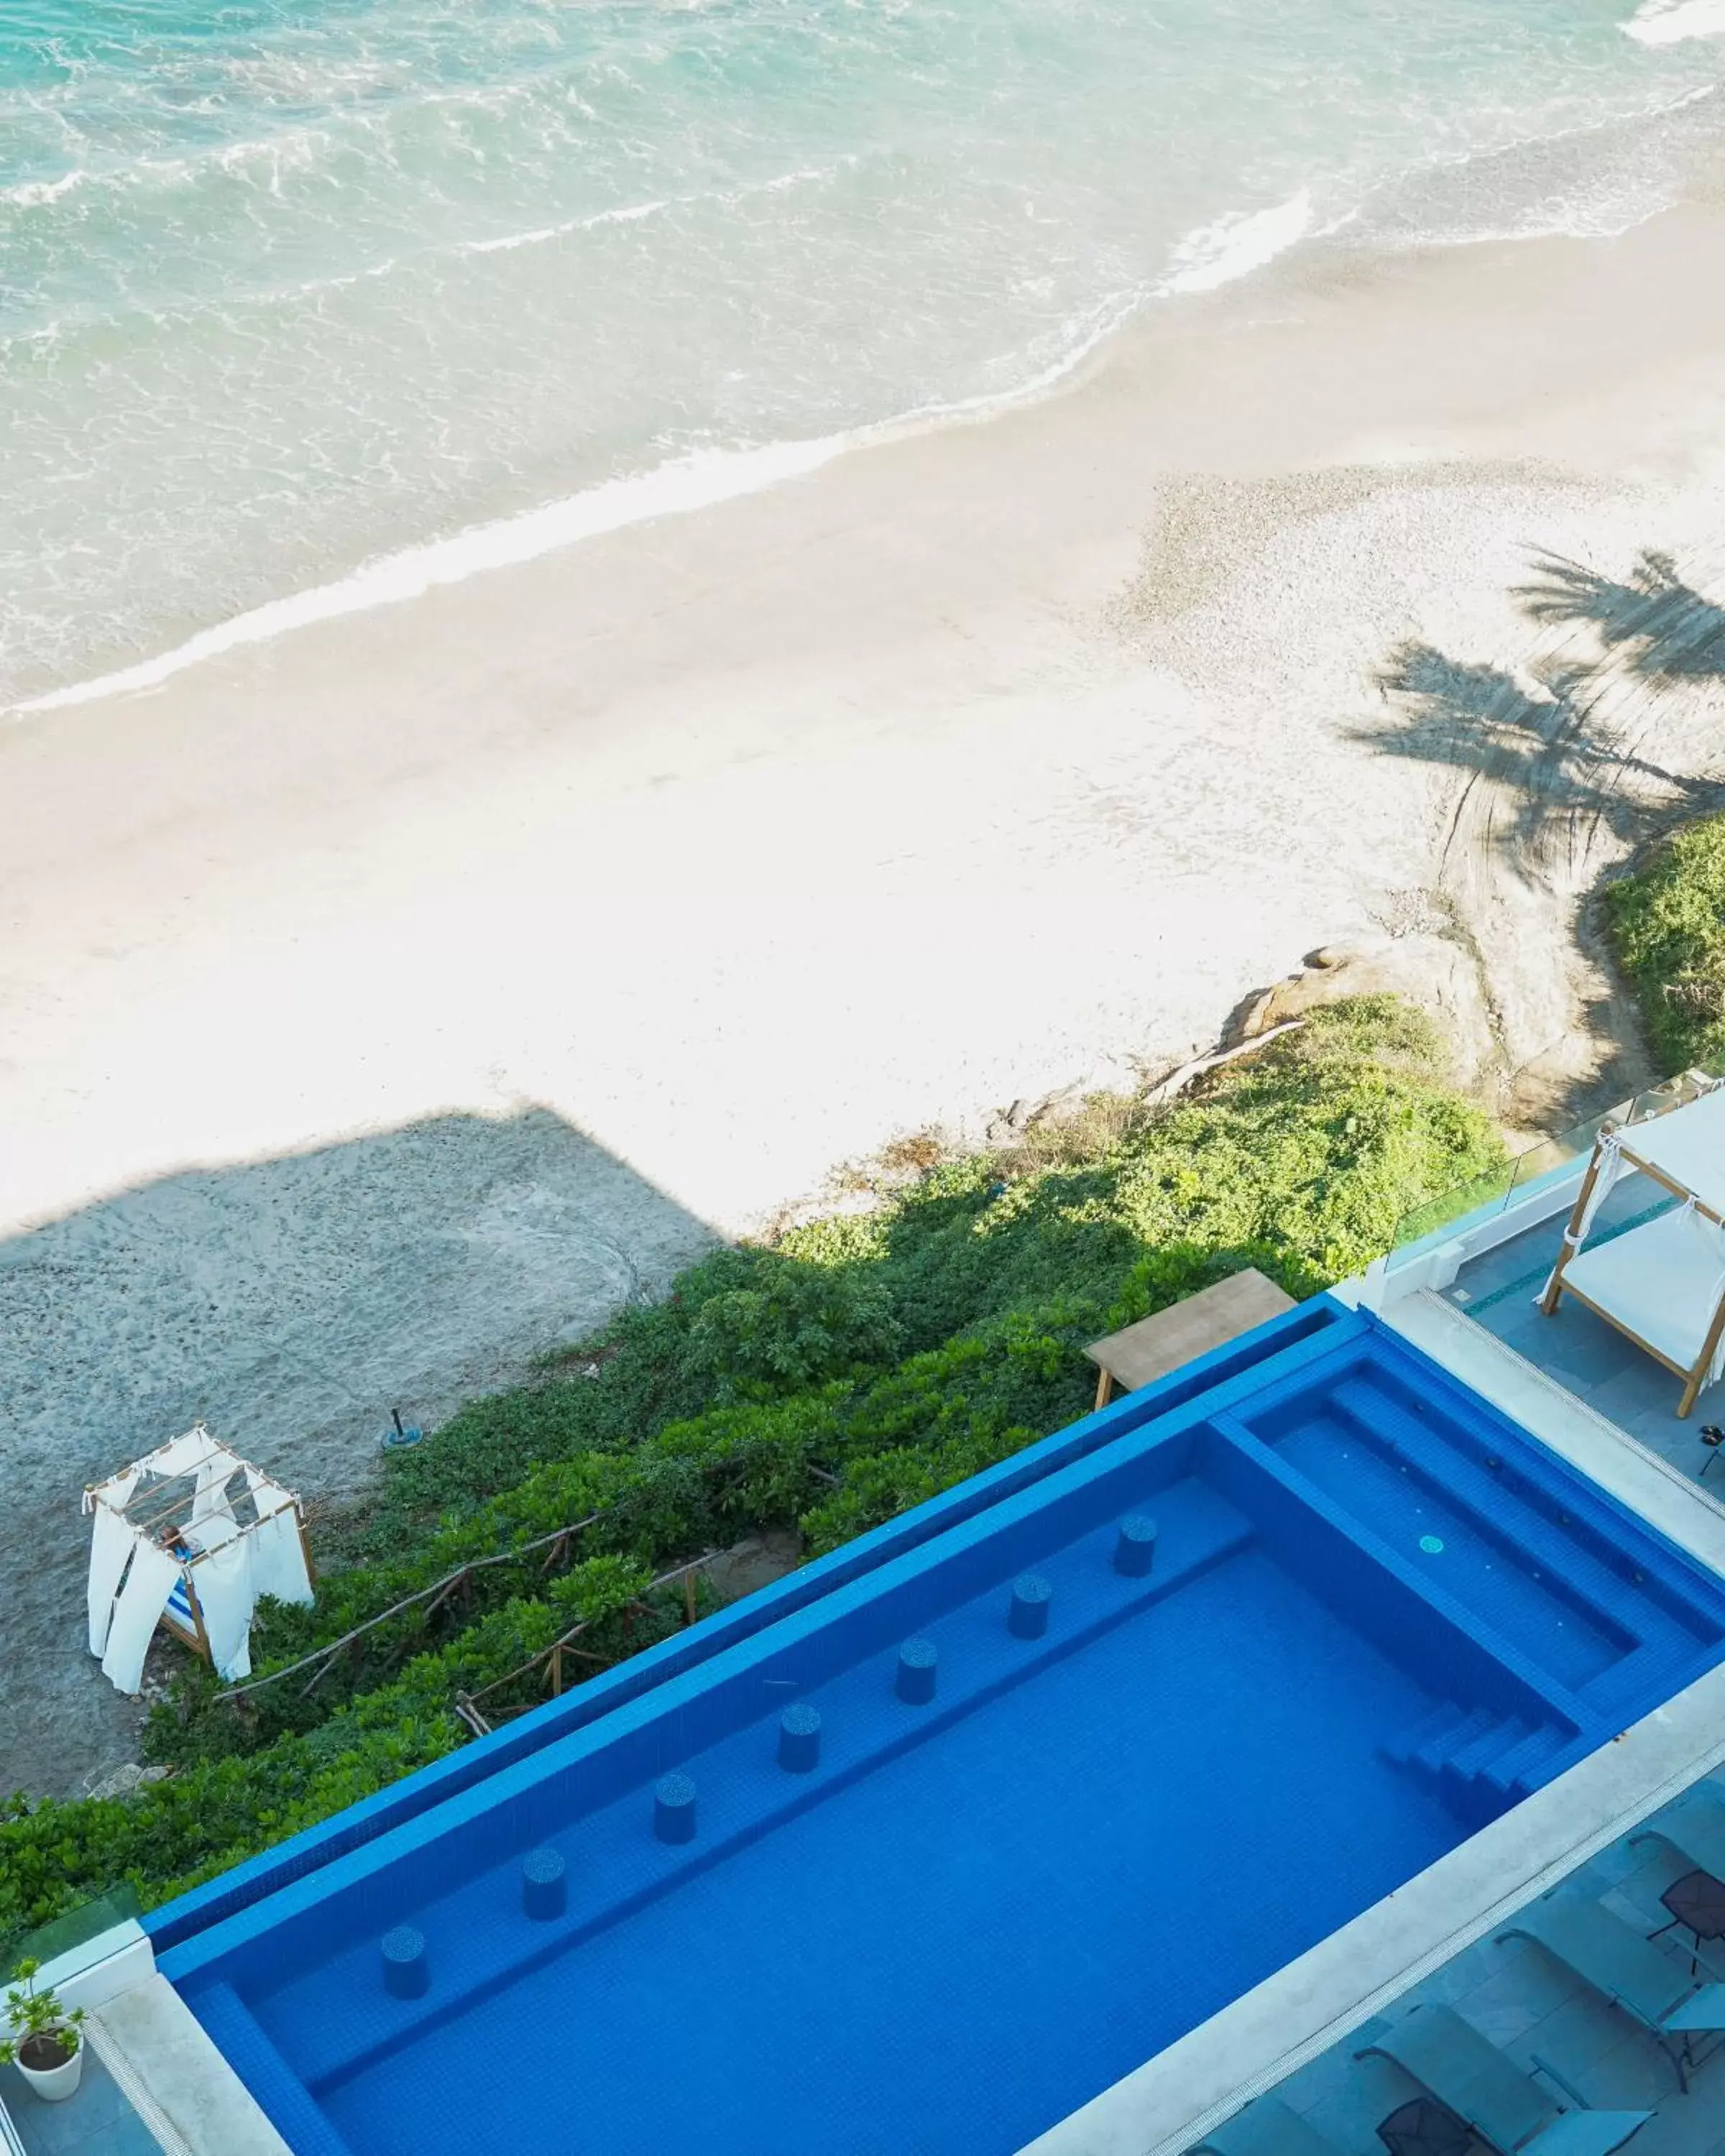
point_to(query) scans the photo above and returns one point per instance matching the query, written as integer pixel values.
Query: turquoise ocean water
(286, 289)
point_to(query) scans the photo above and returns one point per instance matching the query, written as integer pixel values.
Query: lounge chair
(1696, 1830)
(1621, 1965)
(1266, 2128)
(1466, 2071)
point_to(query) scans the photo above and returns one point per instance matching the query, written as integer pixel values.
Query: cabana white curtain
(137, 1612)
(226, 1597)
(111, 1543)
(1611, 1166)
(1709, 1245)
(278, 1557)
(133, 1576)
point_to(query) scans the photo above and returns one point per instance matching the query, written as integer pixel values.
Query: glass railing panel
(75, 1928)
(1425, 1226)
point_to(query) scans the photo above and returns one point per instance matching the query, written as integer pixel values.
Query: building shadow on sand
(291, 1303)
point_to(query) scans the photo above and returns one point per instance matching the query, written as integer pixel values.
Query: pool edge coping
(176, 2078)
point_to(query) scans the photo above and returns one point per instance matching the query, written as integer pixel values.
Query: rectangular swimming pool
(925, 1864)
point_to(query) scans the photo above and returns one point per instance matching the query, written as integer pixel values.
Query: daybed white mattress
(1662, 1281)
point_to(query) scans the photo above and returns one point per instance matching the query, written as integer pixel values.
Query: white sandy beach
(384, 1002)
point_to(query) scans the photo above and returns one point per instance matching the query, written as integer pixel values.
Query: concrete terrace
(1532, 2009)
(98, 2121)
(1589, 1359)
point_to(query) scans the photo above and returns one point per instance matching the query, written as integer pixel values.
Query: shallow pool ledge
(1168, 2104)
(1683, 1510)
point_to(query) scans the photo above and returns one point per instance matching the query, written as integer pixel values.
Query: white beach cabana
(189, 1538)
(1662, 1281)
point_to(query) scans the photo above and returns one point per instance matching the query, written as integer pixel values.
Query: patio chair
(1623, 1967)
(1266, 2128)
(1451, 2060)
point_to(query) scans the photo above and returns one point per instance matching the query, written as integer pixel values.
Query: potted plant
(47, 2040)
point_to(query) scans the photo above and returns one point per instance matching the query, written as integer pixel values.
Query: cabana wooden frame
(1681, 1149)
(147, 1516)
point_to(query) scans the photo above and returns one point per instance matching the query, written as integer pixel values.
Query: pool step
(1468, 1762)
(1514, 1774)
(1439, 1756)
(1425, 1736)
(1478, 1760)
(1654, 1669)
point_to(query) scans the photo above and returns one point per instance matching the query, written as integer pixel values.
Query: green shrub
(1667, 923)
(792, 1326)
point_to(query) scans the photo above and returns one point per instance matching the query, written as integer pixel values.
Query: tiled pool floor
(1514, 1994)
(1589, 1357)
(97, 2121)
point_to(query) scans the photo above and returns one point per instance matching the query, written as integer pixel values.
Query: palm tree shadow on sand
(1654, 623)
(1558, 767)
(1557, 754)
(1560, 763)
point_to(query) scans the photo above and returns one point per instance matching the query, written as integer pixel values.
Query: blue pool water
(289, 286)
(977, 1911)
(1055, 1817)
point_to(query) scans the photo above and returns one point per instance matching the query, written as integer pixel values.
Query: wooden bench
(1154, 1346)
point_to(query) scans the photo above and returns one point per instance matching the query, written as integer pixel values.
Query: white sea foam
(510, 240)
(1217, 255)
(1235, 245)
(1596, 179)
(686, 483)
(293, 151)
(1672, 22)
(32, 194)
(634, 213)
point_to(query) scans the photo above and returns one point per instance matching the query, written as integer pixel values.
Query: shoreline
(1229, 251)
(386, 1002)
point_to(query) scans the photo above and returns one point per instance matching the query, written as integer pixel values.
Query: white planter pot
(56, 2083)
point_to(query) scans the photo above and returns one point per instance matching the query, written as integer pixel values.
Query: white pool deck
(1297, 2032)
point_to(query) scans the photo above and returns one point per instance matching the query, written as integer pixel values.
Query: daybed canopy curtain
(1663, 1281)
(189, 1538)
